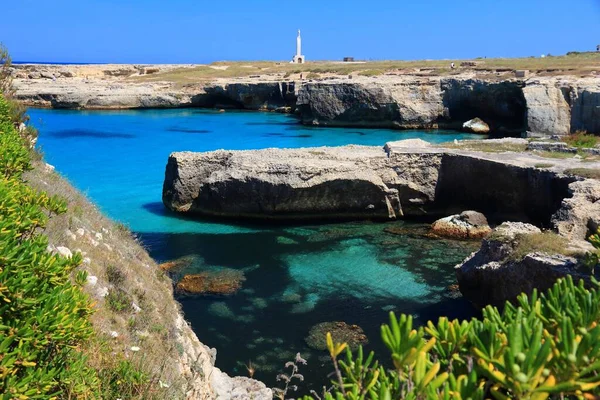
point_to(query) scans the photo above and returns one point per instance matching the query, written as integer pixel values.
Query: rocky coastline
(404, 179)
(509, 105)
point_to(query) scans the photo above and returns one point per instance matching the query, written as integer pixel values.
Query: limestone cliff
(407, 178)
(540, 105)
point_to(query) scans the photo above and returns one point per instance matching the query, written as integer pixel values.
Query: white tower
(298, 58)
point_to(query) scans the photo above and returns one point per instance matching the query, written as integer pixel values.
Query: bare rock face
(585, 112)
(493, 275)
(282, 184)
(579, 214)
(250, 96)
(476, 125)
(466, 225)
(548, 109)
(411, 102)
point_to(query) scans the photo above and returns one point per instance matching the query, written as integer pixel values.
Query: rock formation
(407, 178)
(494, 274)
(542, 105)
(290, 184)
(466, 225)
(476, 125)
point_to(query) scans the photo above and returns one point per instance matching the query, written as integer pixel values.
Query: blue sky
(197, 31)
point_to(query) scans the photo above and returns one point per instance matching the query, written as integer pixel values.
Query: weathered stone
(579, 214)
(548, 109)
(361, 182)
(341, 332)
(64, 251)
(466, 225)
(288, 184)
(493, 275)
(559, 147)
(476, 125)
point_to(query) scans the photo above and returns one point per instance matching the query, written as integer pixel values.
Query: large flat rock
(360, 182)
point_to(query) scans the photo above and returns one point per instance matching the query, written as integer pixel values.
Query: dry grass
(591, 173)
(486, 147)
(546, 242)
(578, 64)
(122, 266)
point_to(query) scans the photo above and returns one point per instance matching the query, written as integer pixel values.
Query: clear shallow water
(296, 276)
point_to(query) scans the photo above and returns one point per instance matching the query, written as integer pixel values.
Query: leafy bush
(545, 346)
(43, 315)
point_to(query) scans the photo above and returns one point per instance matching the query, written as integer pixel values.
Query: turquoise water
(295, 276)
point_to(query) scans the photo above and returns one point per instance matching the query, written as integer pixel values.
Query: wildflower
(135, 348)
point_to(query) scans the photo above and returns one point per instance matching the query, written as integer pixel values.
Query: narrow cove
(295, 276)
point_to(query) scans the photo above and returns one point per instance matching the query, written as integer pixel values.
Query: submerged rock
(466, 225)
(175, 265)
(340, 332)
(497, 273)
(222, 282)
(476, 125)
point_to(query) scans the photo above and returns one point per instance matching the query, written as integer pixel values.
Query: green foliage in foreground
(546, 346)
(43, 316)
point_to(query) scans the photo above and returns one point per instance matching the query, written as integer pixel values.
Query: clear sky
(198, 31)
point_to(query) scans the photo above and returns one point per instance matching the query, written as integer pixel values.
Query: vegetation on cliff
(99, 322)
(44, 316)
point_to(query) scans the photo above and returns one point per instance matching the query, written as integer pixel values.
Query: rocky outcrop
(585, 107)
(362, 182)
(494, 274)
(548, 109)
(579, 213)
(371, 103)
(273, 183)
(466, 225)
(266, 96)
(476, 125)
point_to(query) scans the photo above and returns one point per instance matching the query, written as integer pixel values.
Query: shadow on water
(273, 123)
(89, 133)
(187, 130)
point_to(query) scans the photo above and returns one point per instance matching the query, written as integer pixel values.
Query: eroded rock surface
(493, 275)
(466, 225)
(361, 182)
(274, 183)
(541, 105)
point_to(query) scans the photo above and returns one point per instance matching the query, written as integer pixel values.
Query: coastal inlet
(287, 278)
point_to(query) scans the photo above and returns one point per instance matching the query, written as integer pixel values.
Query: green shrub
(118, 300)
(44, 317)
(546, 346)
